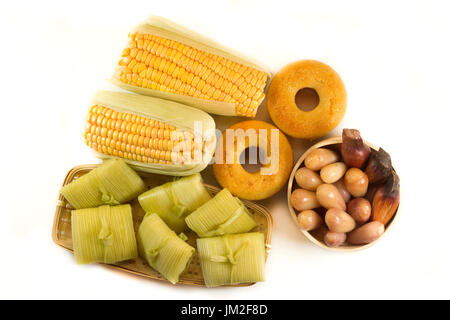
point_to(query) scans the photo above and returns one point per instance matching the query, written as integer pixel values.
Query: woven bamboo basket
(62, 229)
(316, 236)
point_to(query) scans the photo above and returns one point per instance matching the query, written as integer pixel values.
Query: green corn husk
(104, 234)
(113, 182)
(232, 259)
(221, 215)
(164, 251)
(172, 201)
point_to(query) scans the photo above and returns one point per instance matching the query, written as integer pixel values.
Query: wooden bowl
(316, 236)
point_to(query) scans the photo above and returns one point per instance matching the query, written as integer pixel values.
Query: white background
(392, 56)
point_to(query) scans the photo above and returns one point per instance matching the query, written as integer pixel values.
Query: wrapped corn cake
(104, 234)
(111, 183)
(164, 251)
(174, 200)
(232, 259)
(221, 215)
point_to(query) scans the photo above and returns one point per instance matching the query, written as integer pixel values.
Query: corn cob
(165, 60)
(112, 183)
(150, 134)
(104, 234)
(162, 248)
(232, 258)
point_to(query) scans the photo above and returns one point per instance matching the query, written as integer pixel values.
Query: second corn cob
(150, 134)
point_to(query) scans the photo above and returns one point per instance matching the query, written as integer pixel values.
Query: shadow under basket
(316, 236)
(62, 229)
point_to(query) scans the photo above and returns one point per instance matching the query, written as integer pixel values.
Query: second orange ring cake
(307, 124)
(273, 174)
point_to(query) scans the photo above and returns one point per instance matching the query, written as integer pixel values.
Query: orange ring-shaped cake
(306, 124)
(271, 177)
